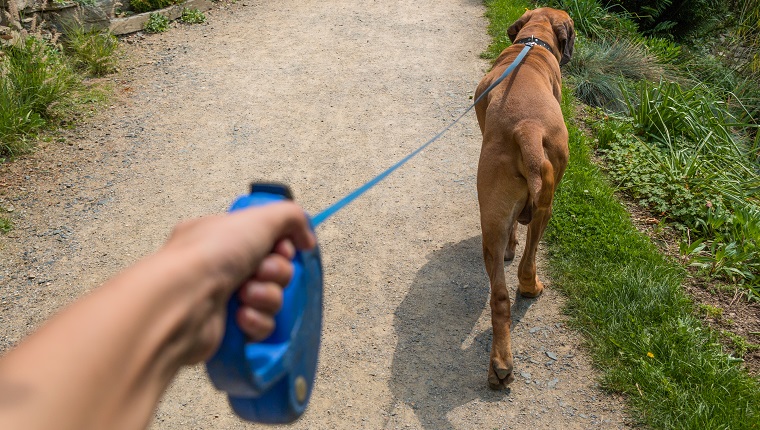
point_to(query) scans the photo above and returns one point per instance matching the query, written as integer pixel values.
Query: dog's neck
(533, 41)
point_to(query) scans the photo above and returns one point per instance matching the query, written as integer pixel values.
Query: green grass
(35, 81)
(92, 51)
(641, 328)
(501, 14)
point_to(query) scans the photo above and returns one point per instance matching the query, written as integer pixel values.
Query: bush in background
(672, 18)
(600, 68)
(39, 86)
(34, 79)
(682, 154)
(192, 16)
(156, 23)
(141, 6)
(594, 21)
(93, 51)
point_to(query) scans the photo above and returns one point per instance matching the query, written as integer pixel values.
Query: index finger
(278, 221)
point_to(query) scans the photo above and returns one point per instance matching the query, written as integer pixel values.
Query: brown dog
(523, 158)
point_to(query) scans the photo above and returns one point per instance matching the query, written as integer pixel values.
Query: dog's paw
(499, 375)
(531, 291)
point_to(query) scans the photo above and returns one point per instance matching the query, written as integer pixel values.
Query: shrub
(91, 50)
(156, 23)
(672, 18)
(141, 6)
(679, 154)
(598, 68)
(665, 50)
(193, 16)
(35, 80)
(595, 21)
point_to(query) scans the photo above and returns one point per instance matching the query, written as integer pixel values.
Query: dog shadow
(440, 363)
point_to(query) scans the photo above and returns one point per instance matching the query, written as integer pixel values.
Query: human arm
(105, 360)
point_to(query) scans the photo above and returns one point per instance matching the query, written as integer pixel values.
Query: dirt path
(322, 96)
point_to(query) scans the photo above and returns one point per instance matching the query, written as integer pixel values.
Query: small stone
(551, 355)
(552, 383)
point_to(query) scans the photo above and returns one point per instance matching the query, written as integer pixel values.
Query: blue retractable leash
(271, 381)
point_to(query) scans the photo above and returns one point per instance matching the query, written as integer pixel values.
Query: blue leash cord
(340, 204)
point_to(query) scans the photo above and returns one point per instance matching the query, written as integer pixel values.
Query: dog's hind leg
(500, 202)
(542, 190)
(509, 253)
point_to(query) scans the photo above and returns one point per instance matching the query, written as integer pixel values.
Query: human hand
(248, 251)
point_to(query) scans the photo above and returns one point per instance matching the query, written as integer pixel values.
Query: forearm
(134, 332)
(104, 361)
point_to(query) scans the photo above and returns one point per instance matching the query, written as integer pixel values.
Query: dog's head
(560, 22)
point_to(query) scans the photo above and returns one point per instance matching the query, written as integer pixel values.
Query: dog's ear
(518, 25)
(565, 33)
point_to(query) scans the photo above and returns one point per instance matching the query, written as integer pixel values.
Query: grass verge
(626, 297)
(639, 323)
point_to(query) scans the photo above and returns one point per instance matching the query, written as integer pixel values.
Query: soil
(321, 96)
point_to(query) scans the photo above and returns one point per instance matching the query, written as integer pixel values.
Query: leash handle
(271, 381)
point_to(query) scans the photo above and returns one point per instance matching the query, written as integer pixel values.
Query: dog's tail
(544, 195)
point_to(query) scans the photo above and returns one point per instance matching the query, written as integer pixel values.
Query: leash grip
(271, 381)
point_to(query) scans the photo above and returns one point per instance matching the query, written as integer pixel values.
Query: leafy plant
(596, 21)
(156, 23)
(729, 247)
(739, 344)
(672, 18)
(680, 156)
(192, 16)
(5, 225)
(711, 311)
(665, 50)
(92, 50)
(140, 6)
